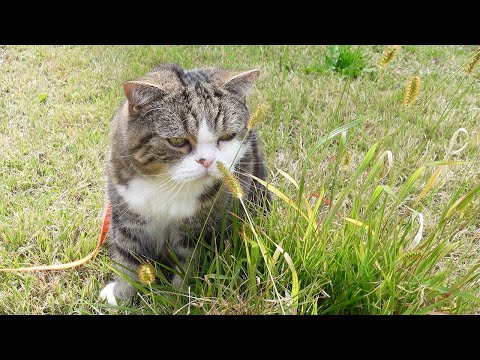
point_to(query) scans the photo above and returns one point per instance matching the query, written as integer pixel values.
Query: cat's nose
(206, 163)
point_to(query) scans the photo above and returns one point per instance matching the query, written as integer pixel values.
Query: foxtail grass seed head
(229, 180)
(473, 62)
(259, 115)
(388, 54)
(411, 91)
(146, 274)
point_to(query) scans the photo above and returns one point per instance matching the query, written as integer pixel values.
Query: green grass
(350, 254)
(347, 61)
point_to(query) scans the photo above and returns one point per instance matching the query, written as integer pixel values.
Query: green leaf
(295, 283)
(334, 133)
(217, 277)
(238, 267)
(409, 184)
(254, 252)
(467, 296)
(446, 162)
(332, 56)
(389, 191)
(462, 202)
(42, 97)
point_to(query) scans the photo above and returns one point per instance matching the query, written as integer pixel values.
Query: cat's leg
(180, 246)
(178, 281)
(120, 289)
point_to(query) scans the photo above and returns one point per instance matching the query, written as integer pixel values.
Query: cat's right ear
(139, 94)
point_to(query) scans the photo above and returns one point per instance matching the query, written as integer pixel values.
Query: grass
(347, 61)
(393, 172)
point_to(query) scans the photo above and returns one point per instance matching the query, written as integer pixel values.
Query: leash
(73, 264)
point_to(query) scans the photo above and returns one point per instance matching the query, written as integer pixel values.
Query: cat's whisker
(144, 219)
(166, 204)
(146, 192)
(242, 174)
(247, 188)
(149, 191)
(249, 163)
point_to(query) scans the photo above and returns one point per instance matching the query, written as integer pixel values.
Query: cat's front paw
(107, 294)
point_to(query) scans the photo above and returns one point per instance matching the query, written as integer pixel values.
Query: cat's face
(181, 123)
(204, 148)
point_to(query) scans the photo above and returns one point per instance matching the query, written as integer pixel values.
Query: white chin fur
(107, 294)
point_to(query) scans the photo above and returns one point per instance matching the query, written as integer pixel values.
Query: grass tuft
(348, 61)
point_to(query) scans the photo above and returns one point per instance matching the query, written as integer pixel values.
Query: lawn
(383, 218)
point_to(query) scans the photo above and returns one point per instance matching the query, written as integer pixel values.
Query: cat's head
(180, 123)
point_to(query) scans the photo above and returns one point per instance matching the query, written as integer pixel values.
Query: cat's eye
(227, 137)
(178, 141)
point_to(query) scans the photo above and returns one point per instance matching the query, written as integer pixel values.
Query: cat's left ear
(240, 83)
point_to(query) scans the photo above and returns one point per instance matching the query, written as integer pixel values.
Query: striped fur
(161, 194)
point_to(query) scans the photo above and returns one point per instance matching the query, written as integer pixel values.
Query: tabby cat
(162, 176)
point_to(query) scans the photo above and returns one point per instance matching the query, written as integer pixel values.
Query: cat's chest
(162, 202)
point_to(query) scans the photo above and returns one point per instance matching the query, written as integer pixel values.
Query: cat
(162, 176)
